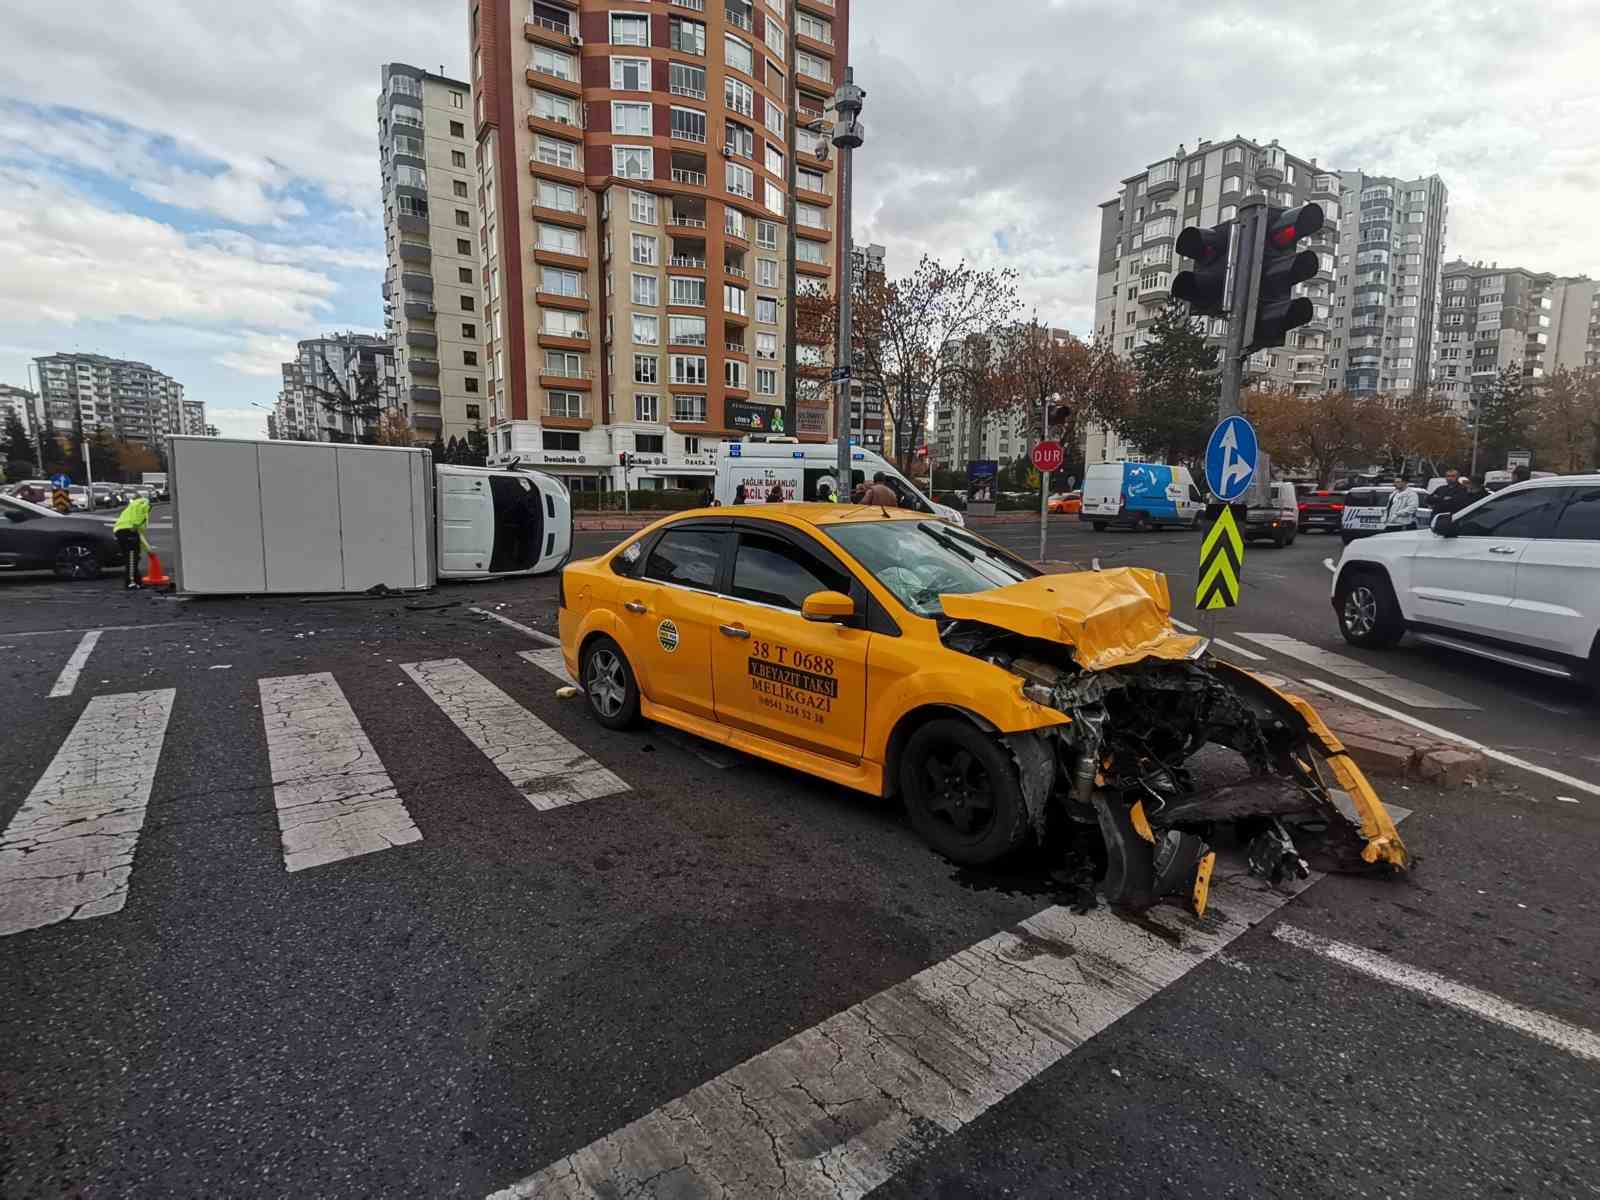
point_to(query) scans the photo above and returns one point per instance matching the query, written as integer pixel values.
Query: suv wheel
(1369, 615)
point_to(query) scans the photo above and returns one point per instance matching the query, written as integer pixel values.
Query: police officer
(129, 532)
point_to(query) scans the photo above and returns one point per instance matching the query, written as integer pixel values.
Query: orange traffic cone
(155, 576)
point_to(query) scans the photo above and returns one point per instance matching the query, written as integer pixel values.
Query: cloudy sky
(199, 191)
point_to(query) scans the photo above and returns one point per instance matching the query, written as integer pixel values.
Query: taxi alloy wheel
(962, 793)
(609, 685)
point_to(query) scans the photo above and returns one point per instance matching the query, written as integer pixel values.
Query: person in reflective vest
(129, 532)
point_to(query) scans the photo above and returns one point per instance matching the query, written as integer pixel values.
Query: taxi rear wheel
(962, 793)
(609, 686)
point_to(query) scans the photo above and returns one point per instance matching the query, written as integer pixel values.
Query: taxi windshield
(921, 560)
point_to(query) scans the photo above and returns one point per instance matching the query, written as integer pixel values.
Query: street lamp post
(848, 134)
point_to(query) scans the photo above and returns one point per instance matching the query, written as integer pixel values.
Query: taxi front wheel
(609, 685)
(962, 793)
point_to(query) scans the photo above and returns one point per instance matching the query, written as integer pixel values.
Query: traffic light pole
(1244, 289)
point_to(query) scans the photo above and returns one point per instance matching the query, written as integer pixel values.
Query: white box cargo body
(264, 517)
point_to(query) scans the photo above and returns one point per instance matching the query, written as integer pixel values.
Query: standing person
(1402, 512)
(825, 492)
(738, 494)
(880, 493)
(1451, 496)
(775, 495)
(129, 532)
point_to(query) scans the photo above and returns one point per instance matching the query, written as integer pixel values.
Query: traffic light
(1205, 287)
(624, 459)
(1277, 309)
(1060, 417)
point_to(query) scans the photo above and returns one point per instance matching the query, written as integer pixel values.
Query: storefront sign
(753, 418)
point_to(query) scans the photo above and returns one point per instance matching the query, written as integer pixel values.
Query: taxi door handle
(1502, 549)
(635, 606)
(734, 631)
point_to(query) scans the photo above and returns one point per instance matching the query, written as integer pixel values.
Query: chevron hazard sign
(1221, 557)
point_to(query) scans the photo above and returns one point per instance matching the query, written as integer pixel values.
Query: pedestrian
(1402, 512)
(775, 495)
(738, 494)
(1452, 495)
(825, 492)
(880, 493)
(129, 532)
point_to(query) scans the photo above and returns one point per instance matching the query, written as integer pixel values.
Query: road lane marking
(1460, 739)
(838, 1109)
(5, 637)
(334, 799)
(546, 769)
(68, 852)
(549, 659)
(68, 679)
(535, 634)
(1554, 1032)
(1224, 643)
(1404, 690)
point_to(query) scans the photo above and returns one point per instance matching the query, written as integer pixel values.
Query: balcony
(687, 262)
(425, 366)
(734, 347)
(735, 272)
(1325, 185)
(416, 283)
(1154, 289)
(414, 252)
(419, 310)
(422, 394)
(740, 18)
(691, 5)
(412, 223)
(1162, 179)
(572, 409)
(692, 178)
(548, 31)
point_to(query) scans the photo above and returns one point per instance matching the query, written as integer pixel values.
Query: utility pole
(791, 405)
(1242, 291)
(848, 134)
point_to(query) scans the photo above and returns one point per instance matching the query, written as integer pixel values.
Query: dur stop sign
(1049, 456)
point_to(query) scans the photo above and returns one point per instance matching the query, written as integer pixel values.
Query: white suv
(1514, 577)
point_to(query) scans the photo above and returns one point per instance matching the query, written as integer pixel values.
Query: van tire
(1098, 526)
(952, 774)
(1141, 523)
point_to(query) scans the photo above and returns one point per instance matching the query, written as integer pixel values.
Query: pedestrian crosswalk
(71, 850)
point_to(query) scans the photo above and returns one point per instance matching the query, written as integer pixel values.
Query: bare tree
(1320, 433)
(1566, 435)
(1040, 370)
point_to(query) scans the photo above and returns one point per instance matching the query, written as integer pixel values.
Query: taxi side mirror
(828, 606)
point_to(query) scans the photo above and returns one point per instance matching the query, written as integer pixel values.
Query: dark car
(1321, 509)
(33, 538)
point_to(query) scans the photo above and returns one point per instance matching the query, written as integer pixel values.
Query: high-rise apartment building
(1495, 317)
(431, 290)
(130, 400)
(1374, 300)
(22, 403)
(961, 435)
(634, 163)
(332, 362)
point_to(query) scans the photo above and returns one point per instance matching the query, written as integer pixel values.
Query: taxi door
(802, 683)
(666, 612)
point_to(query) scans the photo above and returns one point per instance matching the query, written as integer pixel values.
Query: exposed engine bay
(1120, 769)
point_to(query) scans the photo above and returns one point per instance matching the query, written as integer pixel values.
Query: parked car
(1514, 577)
(36, 538)
(80, 498)
(107, 495)
(1066, 502)
(1273, 515)
(1321, 509)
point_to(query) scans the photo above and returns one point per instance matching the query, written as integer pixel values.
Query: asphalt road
(453, 1013)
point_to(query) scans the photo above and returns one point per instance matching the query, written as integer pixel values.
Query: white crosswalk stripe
(1405, 691)
(333, 796)
(68, 852)
(549, 771)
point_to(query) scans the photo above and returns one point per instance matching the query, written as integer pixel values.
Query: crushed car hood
(1109, 618)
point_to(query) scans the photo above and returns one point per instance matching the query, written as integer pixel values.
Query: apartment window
(812, 252)
(817, 68)
(644, 250)
(458, 129)
(767, 272)
(688, 331)
(463, 218)
(687, 36)
(815, 27)
(741, 180)
(767, 345)
(463, 274)
(811, 181)
(767, 310)
(733, 373)
(738, 139)
(469, 331)
(630, 30)
(733, 299)
(646, 409)
(646, 330)
(474, 411)
(684, 80)
(469, 358)
(565, 363)
(774, 118)
(688, 368)
(459, 188)
(733, 222)
(766, 381)
(691, 445)
(1414, 218)
(411, 177)
(562, 197)
(555, 152)
(774, 198)
(810, 216)
(736, 52)
(688, 291)
(560, 239)
(1232, 154)
(777, 39)
(646, 368)
(689, 410)
(559, 441)
(1457, 284)
(563, 324)
(560, 282)
(630, 74)
(458, 158)
(740, 97)
(646, 290)
(554, 62)
(568, 405)
(633, 162)
(767, 235)
(689, 124)
(630, 118)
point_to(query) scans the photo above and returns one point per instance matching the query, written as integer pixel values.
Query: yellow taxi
(899, 655)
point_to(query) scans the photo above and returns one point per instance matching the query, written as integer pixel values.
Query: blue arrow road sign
(60, 481)
(1231, 458)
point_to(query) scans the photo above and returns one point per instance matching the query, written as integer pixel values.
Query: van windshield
(518, 523)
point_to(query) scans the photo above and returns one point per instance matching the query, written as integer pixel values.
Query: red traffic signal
(1278, 310)
(1205, 286)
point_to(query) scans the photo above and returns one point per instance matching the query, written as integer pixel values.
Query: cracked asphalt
(522, 985)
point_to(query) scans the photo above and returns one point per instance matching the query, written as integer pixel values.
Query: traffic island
(1383, 746)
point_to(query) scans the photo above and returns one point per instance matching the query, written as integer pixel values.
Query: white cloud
(259, 354)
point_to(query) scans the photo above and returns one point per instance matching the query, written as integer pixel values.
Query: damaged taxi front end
(1142, 700)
